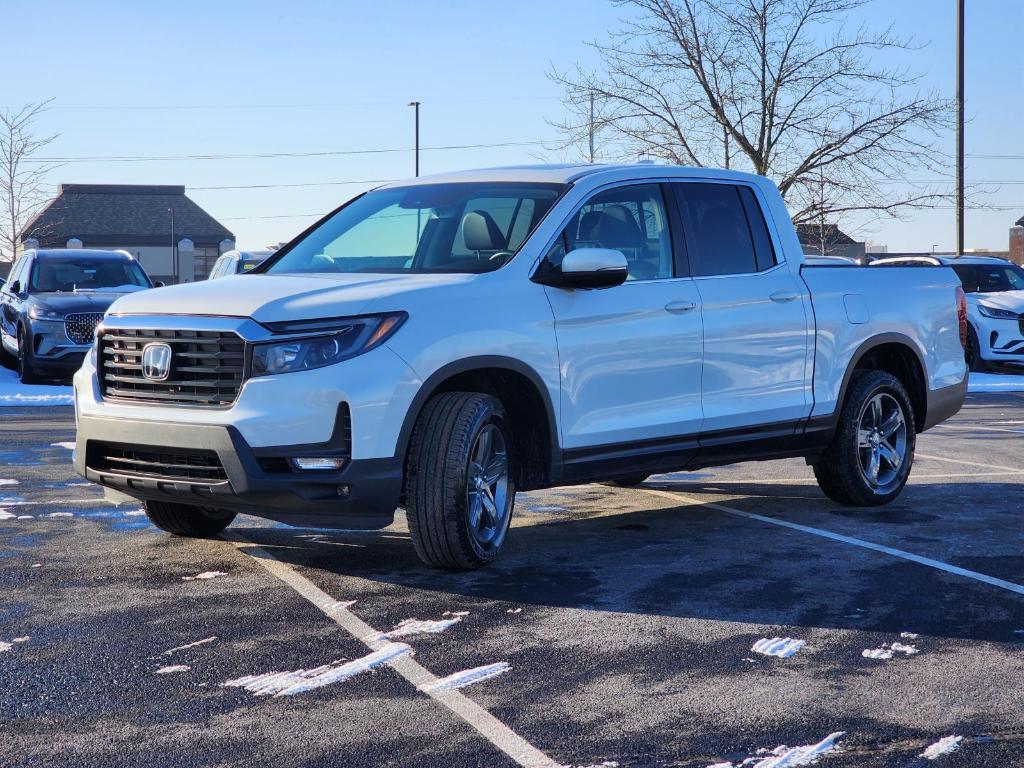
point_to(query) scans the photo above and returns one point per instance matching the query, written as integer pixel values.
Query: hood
(275, 298)
(1011, 300)
(66, 303)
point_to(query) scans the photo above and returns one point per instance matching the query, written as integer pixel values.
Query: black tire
(839, 470)
(440, 490)
(7, 360)
(972, 354)
(628, 482)
(185, 520)
(26, 373)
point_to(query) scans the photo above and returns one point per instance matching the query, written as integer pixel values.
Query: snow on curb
(302, 680)
(14, 393)
(994, 382)
(788, 757)
(942, 747)
(467, 677)
(782, 647)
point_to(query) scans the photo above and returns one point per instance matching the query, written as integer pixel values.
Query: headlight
(998, 314)
(41, 313)
(318, 343)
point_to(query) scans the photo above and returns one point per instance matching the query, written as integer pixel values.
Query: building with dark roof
(174, 239)
(828, 240)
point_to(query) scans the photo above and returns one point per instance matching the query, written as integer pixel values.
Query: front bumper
(256, 481)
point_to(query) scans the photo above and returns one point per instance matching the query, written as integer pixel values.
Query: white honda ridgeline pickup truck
(440, 344)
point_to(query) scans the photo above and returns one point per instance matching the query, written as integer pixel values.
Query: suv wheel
(972, 354)
(185, 520)
(26, 374)
(628, 482)
(459, 489)
(871, 454)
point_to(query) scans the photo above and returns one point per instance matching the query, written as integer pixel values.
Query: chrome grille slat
(207, 366)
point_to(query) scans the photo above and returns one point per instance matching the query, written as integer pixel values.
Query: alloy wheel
(487, 488)
(882, 441)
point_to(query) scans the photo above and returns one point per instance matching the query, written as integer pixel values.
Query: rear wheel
(459, 487)
(871, 454)
(628, 482)
(26, 373)
(185, 520)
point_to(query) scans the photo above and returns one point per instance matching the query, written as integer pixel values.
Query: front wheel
(459, 487)
(972, 353)
(185, 520)
(872, 451)
(26, 373)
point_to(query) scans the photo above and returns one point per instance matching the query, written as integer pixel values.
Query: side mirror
(593, 268)
(158, 283)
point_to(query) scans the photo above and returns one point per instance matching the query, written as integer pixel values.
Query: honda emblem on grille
(156, 361)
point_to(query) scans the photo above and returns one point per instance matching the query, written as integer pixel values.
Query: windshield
(471, 228)
(87, 275)
(982, 278)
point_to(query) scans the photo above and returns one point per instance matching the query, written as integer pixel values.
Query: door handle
(679, 307)
(782, 297)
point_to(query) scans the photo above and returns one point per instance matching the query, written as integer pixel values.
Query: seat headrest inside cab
(481, 233)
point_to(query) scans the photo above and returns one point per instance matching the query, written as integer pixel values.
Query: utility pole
(174, 250)
(416, 106)
(590, 128)
(960, 127)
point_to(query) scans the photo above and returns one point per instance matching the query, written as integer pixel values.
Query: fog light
(318, 463)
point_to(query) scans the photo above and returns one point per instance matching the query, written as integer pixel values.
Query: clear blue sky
(186, 78)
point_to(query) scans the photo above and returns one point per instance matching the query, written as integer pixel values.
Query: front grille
(81, 326)
(207, 367)
(194, 466)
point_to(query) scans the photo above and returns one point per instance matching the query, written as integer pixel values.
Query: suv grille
(81, 326)
(158, 463)
(207, 367)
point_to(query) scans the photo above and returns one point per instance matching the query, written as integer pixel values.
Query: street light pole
(416, 106)
(960, 127)
(174, 249)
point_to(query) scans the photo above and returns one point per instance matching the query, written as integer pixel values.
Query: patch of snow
(514, 610)
(204, 576)
(788, 757)
(60, 514)
(172, 669)
(36, 565)
(8, 482)
(943, 746)
(877, 653)
(302, 680)
(189, 645)
(468, 677)
(25, 517)
(410, 627)
(783, 647)
(341, 605)
(70, 446)
(13, 392)
(995, 382)
(455, 613)
(909, 650)
(5, 515)
(908, 635)
(5, 646)
(24, 639)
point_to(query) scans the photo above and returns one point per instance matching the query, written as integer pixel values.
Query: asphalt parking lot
(627, 619)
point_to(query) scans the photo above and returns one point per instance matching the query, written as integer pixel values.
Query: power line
(310, 105)
(257, 156)
(297, 184)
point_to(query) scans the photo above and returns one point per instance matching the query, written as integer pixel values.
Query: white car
(237, 263)
(440, 343)
(995, 308)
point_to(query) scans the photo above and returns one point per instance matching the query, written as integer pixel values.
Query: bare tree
(23, 185)
(776, 87)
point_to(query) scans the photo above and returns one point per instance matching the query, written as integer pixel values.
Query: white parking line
(1009, 586)
(486, 724)
(1008, 470)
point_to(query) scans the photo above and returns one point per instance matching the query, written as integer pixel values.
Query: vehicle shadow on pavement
(695, 561)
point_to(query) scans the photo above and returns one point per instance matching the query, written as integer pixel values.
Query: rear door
(755, 376)
(630, 356)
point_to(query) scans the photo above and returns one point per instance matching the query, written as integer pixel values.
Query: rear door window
(721, 238)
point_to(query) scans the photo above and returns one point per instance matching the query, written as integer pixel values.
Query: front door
(630, 356)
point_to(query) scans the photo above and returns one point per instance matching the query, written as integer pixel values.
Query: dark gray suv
(52, 302)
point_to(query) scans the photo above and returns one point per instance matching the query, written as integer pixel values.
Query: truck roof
(569, 172)
(56, 254)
